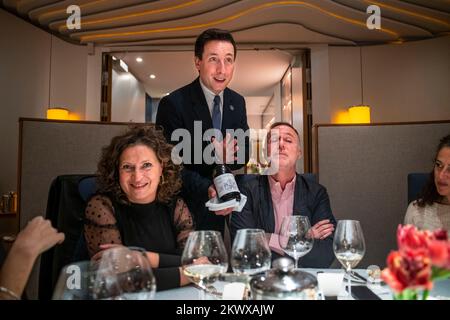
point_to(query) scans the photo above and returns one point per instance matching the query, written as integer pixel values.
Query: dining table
(440, 291)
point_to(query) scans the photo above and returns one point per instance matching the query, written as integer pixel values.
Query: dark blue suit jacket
(310, 199)
(179, 110)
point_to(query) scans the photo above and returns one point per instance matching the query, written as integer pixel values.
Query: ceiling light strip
(230, 18)
(407, 12)
(63, 27)
(64, 10)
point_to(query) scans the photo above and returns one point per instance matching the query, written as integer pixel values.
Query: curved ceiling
(177, 22)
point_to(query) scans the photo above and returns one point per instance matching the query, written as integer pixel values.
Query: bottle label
(225, 183)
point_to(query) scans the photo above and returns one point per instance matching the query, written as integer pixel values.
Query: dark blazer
(179, 110)
(310, 199)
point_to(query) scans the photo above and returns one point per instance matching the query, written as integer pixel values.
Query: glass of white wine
(295, 237)
(204, 258)
(349, 246)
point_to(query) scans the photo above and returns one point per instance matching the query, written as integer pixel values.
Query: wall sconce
(58, 114)
(54, 113)
(359, 114)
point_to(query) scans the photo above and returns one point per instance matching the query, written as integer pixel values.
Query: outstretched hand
(38, 236)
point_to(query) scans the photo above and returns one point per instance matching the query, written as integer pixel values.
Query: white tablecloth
(441, 289)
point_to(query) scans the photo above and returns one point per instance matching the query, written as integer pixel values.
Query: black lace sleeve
(100, 224)
(183, 222)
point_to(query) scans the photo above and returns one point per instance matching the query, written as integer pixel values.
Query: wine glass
(250, 253)
(204, 258)
(73, 282)
(349, 246)
(295, 237)
(123, 273)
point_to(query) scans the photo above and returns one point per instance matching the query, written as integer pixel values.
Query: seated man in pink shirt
(271, 197)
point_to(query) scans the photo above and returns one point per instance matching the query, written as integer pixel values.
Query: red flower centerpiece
(422, 258)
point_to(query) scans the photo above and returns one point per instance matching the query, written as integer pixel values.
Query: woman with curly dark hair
(137, 203)
(432, 210)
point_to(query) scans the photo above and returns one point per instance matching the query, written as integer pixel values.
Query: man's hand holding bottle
(224, 186)
(226, 149)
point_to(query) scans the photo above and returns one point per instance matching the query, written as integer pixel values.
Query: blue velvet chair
(416, 182)
(87, 187)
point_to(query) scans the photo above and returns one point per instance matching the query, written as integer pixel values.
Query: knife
(357, 275)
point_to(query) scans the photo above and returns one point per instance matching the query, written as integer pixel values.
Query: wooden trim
(377, 123)
(19, 173)
(316, 151)
(307, 118)
(82, 121)
(109, 64)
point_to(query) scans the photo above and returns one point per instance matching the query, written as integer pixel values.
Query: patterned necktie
(216, 116)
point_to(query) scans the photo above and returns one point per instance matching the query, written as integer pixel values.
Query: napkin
(215, 205)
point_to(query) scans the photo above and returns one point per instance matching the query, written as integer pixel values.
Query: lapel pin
(231, 107)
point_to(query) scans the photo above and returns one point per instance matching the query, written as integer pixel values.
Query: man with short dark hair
(208, 100)
(284, 192)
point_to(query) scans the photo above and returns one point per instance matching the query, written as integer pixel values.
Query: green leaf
(425, 294)
(407, 294)
(440, 273)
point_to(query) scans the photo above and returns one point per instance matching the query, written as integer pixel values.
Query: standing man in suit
(209, 103)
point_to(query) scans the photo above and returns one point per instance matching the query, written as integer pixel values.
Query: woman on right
(432, 210)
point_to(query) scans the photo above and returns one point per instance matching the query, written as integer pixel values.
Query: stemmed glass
(295, 236)
(123, 273)
(204, 258)
(349, 246)
(250, 253)
(74, 281)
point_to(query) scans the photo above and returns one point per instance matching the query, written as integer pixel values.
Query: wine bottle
(225, 184)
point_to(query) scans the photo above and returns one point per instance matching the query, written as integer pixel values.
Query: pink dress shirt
(283, 204)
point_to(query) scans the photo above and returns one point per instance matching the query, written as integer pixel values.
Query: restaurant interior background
(305, 62)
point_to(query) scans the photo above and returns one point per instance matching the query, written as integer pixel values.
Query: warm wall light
(58, 114)
(342, 117)
(359, 114)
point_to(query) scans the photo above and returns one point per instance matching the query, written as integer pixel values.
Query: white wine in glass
(203, 274)
(204, 258)
(349, 246)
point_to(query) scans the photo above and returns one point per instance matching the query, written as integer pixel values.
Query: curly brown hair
(152, 137)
